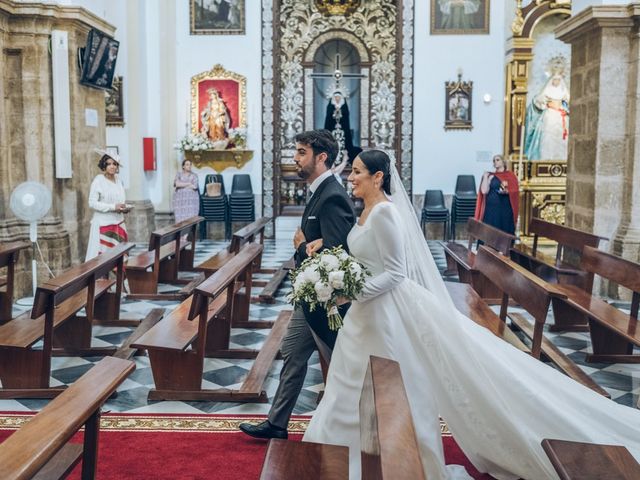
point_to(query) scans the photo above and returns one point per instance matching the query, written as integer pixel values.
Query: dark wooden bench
(268, 294)
(9, 253)
(462, 258)
(562, 268)
(200, 326)
(468, 302)
(24, 370)
(389, 446)
(589, 461)
(534, 295)
(613, 332)
(171, 249)
(40, 449)
(245, 235)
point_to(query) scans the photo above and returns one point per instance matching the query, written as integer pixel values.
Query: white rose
(311, 273)
(336, 279)
(323, 291)
(356, 269)
(301, 279)
(330, 261)
(343, 256)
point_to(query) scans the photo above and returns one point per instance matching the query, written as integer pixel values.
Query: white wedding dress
(498, 402)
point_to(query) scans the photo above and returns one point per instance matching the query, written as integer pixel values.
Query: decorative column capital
(597, 18)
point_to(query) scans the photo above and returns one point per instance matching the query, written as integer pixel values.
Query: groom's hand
(298, 238)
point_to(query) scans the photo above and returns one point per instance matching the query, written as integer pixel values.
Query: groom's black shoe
(264, 430)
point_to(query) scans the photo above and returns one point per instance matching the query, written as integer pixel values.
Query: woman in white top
(107, 200)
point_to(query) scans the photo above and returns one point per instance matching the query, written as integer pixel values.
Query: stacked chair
(434, 211)
(242, 206)
(464, 201)
(214, 209)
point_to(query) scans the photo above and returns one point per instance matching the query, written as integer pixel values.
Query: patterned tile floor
(621, 380)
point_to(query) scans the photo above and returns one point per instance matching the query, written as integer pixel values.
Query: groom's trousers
(297, 346)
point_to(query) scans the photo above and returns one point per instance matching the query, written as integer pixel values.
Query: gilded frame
(204, 26)
(218, 73)
(458, 105)
(483, 13)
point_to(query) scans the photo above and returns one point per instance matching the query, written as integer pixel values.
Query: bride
(498, 402)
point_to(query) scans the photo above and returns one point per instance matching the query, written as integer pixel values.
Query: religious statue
(547, 122)
(337, 122)
(215, 117)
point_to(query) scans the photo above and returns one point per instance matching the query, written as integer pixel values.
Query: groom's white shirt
(316, 183)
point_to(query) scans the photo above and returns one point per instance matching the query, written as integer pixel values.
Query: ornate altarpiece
(293, 30)
(232, 88)
(543, 182)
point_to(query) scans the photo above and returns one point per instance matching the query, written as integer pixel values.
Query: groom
(329, 215)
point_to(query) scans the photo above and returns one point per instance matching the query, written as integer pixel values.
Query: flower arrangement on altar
(237, 139)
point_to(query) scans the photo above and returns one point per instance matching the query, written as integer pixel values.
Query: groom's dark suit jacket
(329, 215)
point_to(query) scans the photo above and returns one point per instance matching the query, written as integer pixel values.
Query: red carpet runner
(187, 447)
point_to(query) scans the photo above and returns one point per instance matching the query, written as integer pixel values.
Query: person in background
(498, 198)
(107, 200)
(186, 197)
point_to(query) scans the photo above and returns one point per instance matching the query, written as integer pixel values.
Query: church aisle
(621, 381)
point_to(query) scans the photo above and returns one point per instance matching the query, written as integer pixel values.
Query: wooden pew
(462, 258)
(469, 303)
(240, 238)
(24, 371)
(168, 254)
(613, 332)
(9, 253)
(268, 294)
(534, 295)
(389, 447)
(388, 440)
(556, 269)
(203, 322)
(589, 461)
(40, 448)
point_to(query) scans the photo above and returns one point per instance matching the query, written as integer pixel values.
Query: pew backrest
(27, 450)
(248, 233)
(53, 292)
(494, 237)
(564, 236)
(619, 270)
(389, 447)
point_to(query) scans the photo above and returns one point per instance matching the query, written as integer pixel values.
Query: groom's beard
(305, 173)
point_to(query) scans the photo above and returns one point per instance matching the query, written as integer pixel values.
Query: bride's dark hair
(378, 161)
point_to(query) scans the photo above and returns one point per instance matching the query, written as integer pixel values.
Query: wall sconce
(486, 98)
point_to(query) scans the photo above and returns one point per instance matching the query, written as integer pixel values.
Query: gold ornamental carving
(219, 160)
(219, 73)
(337, 7)
(553, 213)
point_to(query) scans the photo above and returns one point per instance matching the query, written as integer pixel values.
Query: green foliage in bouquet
(323, 278)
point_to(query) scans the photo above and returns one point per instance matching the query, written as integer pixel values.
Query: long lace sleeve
(386, 229)
(95, 198)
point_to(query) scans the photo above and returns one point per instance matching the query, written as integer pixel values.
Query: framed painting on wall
(114, 108)
(459, 17)
(218, 103)
(457, 105)
(217, 17)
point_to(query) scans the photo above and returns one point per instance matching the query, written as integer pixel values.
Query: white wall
(439, 155)
(239, 53)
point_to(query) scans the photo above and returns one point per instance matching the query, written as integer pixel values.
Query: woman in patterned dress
(186, 199)
(107, 200)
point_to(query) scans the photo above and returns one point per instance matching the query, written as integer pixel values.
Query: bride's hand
(341, 301)
(314, 246)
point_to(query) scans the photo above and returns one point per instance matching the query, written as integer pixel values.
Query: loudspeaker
(61, 105)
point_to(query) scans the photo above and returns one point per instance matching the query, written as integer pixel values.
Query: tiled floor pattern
(621, 380)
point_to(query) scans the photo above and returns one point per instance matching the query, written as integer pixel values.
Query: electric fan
(30, 201)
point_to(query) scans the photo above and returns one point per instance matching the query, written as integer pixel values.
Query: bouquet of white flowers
(324, 277)
(238, 136)
(194, 143)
